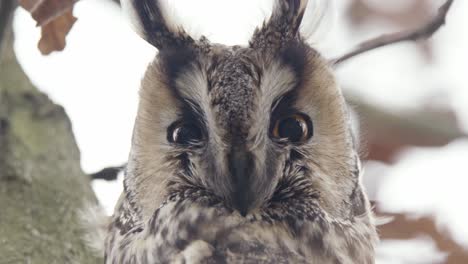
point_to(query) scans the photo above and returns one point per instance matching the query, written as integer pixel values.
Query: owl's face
(253, 126)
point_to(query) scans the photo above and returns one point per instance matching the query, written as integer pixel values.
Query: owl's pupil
(292, 129)
(186, 134)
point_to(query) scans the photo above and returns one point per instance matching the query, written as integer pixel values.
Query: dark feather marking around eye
(173, 61)
(295, 55)
(283, 105)
(193, 111)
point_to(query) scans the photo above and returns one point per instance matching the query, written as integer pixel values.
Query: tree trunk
(42, 186)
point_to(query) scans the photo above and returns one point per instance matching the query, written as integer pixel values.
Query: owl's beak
(241, 168)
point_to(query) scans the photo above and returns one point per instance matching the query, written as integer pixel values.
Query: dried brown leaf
(55, 17)
(28, 4)
(54, 33)
(407, 226)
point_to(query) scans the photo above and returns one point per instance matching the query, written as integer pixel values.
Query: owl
(240, 154)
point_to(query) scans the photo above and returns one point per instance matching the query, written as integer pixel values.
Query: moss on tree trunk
(42, 186)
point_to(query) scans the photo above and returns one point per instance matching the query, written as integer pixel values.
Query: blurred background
(410, 103)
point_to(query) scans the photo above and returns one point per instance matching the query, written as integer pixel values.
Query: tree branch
(108, 174)
(424, 32)
(42, 186)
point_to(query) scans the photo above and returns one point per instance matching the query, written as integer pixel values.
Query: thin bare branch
(424, 32)
(108, 174)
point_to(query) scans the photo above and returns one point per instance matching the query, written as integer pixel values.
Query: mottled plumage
(215, 174)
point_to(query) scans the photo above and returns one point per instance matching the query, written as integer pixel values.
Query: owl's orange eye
(294, 128)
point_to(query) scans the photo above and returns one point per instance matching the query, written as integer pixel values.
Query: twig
(424, 32)
(108, 174)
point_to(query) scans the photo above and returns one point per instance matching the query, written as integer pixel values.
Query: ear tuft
(283, 25)
(154, 22)
(318, 17)
(293, 20)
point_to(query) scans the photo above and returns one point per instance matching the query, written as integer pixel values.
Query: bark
(42, 186)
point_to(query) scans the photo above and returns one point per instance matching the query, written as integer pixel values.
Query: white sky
(96, 79)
